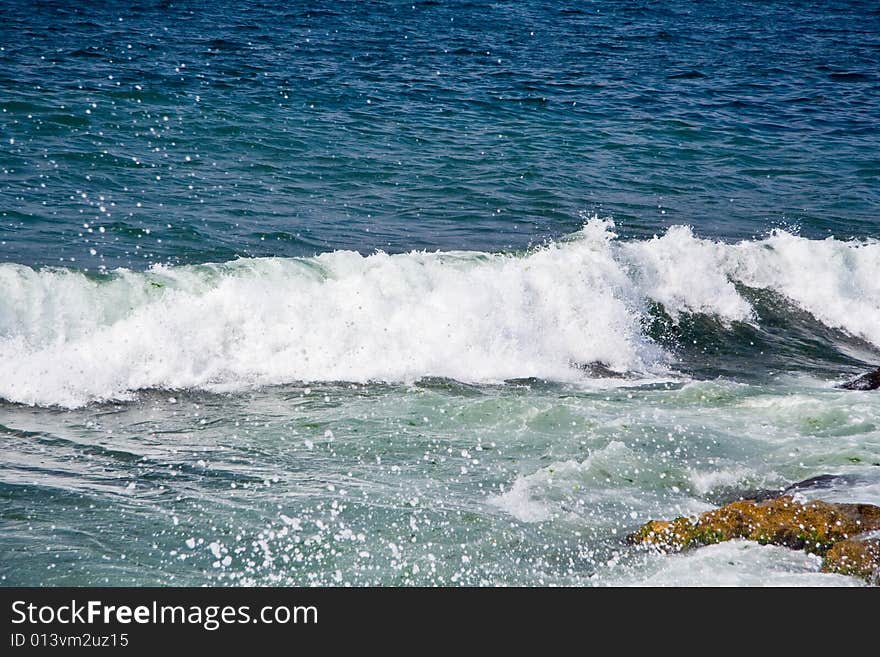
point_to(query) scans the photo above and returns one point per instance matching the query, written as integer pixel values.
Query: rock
(820, 481)
(812, 526)
(856, 558)
(815, 526)
(597, 370)
(869, 381)
(823, 481)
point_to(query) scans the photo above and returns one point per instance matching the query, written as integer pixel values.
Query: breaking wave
(68, 338)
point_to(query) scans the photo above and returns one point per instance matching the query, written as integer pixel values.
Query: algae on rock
(822, 528)
(859, 558)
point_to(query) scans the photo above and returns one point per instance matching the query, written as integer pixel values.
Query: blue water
(266, 128)
(437, 292)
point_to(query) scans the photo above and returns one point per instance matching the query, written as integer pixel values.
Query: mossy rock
(816, 527)
(855, 557)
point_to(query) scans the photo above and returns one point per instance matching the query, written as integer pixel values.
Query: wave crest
(68, 339)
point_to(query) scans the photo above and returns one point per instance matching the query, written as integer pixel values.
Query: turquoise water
(429, 293)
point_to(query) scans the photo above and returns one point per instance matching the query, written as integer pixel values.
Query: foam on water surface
(67, 338)
(734, 563)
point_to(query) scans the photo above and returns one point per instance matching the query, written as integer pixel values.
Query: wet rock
(869, 381)
(815, 526)
(597, 370)
(855, 557)
(819, 482)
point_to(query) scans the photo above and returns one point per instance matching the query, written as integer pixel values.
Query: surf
(68, 338)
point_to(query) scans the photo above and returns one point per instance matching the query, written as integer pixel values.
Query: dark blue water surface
(141, 132)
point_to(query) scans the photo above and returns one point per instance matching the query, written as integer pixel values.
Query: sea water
(429, 293)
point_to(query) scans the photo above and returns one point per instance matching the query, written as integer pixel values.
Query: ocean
(429, 293)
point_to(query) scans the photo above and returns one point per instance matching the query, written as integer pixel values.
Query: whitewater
(68, 338)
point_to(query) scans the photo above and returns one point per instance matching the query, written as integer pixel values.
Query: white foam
(705, 480)
(683, 273)
(612, 477)
(837, 282)
(66, 339)
(519, 502)
(474, 317)
(733, 563)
